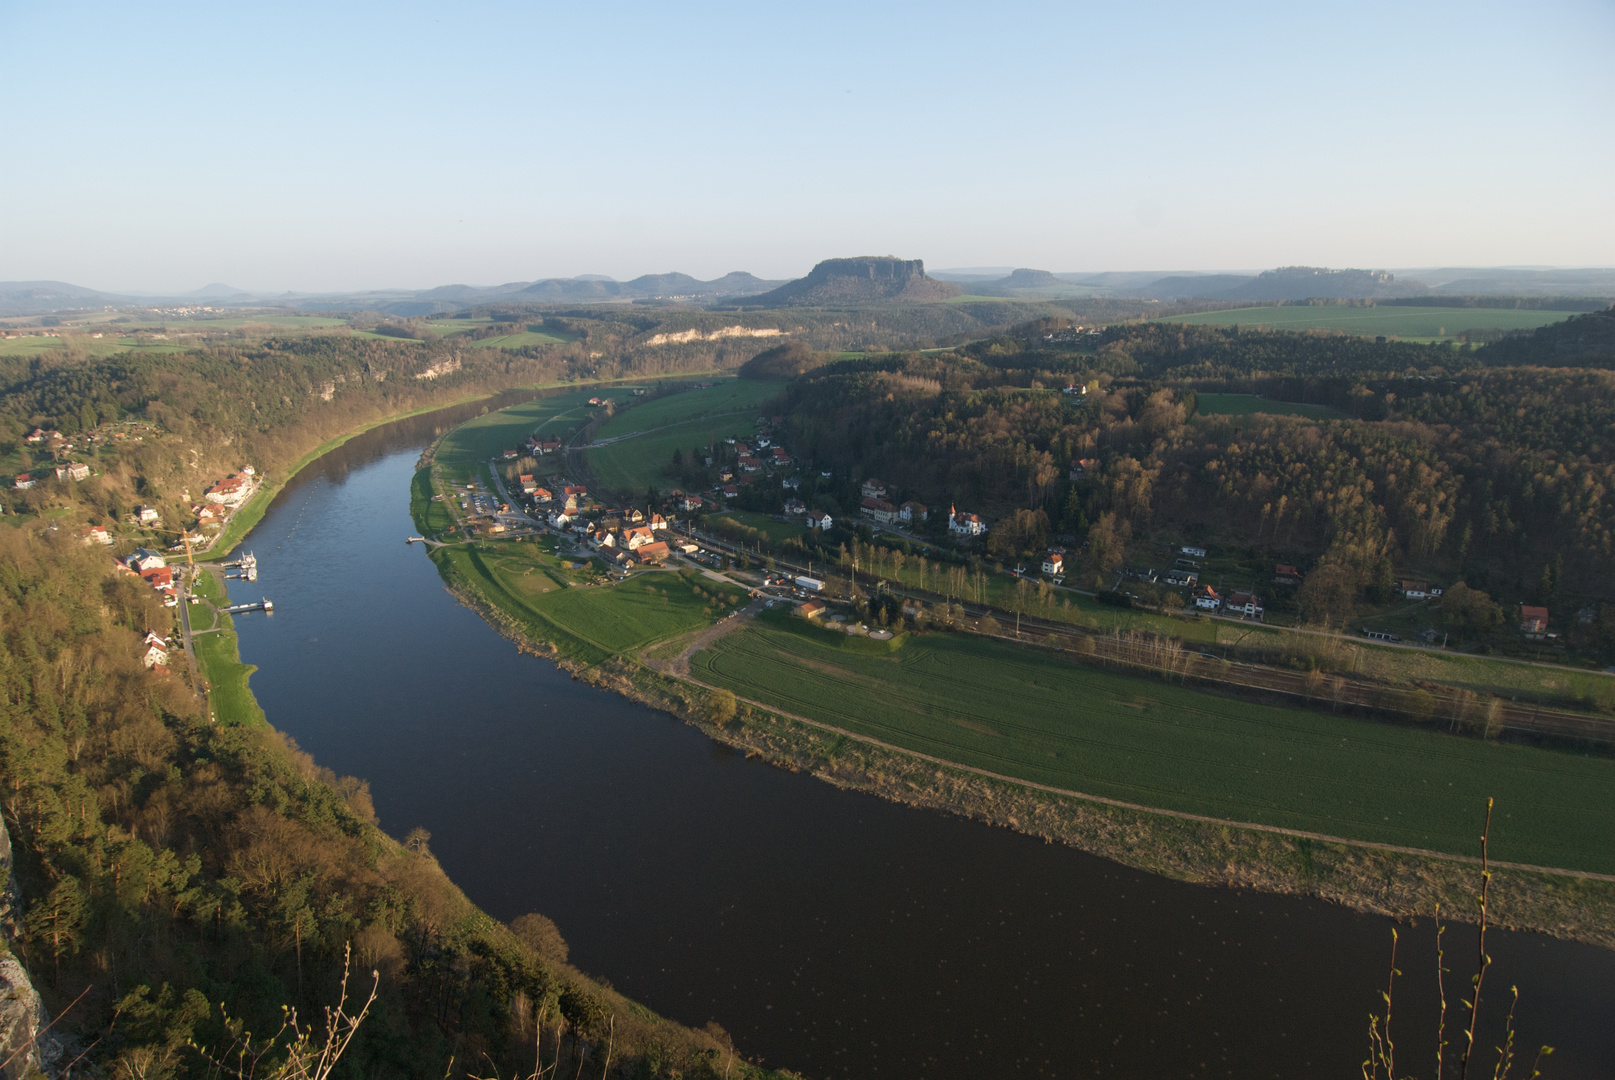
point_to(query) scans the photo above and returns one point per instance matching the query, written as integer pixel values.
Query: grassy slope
(678, 421)
(1029, 714)
(466, 450)
(1403, 322)
(220, 659)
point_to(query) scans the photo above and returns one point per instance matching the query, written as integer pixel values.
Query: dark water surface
(829, 932)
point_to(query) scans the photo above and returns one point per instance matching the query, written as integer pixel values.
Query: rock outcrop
(863, 280)
(23, 1053)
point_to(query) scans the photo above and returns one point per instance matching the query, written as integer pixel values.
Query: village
(702, 526)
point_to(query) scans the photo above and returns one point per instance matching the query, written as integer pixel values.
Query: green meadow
(220, 659)
(555, 600)
(649, 433)
(1420, 323)
(464, 452)
(1037, 716)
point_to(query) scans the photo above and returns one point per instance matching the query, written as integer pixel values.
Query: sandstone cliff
(863, 280)
(22, 1052)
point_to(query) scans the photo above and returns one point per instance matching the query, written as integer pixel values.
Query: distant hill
(1508, 281)
(218, 290)
(645, 287)
(1287, 283)
(39, 297)
(1584, 341)
(862, 280)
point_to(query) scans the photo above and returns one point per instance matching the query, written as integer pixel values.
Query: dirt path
(680, 665)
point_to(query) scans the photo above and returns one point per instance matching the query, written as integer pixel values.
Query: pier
(261, 605)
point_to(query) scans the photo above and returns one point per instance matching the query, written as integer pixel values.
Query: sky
(160, 147)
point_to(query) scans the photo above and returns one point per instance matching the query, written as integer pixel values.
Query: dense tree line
(1447, 463)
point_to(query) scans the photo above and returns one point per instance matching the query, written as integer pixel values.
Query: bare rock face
(863, 280)
(23, 1053)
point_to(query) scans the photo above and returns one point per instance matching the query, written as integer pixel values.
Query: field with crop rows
(1041, 717)
(1419, 323)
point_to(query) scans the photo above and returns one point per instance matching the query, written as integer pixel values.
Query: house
(818, 519)
(693, 502)
(1081, 467)
(1415, 590)
(529, 485)
(1243, 604)
(912, 511)
(1054, 563)
(1206, 598)
(74, 471)
(781, 458)
(509, 454)
(576, 492)
(635, 538)
(148, 515)
(965, 524)
(595, 401)
(811, 609)
(790, 483)
(726, 474)
(154, 655)
(231, 491)
(743, 449)
(601, 539)
(794, 507)
(763, 442)
(648, 553)
(548, 446)
(37, 436)
(571, 504)
(1533, 620)
(1285, 574)
(542, 495)
(730, 491)
(95, 534)
(750, 464)
(880, 510)
(657, 522)
(1075, 390)
(145, 559)
(873, 489)
(635, 516)
(1182, 578)
(23, 482)
(161, 578)
(1193, 552)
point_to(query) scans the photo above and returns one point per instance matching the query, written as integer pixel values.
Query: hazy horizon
(309, 149)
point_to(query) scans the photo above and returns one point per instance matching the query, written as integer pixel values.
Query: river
(828, 932)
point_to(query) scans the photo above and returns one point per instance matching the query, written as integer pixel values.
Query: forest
(179, 882)
(183, 881)
(1491, 466)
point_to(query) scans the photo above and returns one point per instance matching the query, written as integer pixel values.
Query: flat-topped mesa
(861, 280)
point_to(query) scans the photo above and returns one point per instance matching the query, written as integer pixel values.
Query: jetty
(414, 539)
(243, 569)
(261, 605)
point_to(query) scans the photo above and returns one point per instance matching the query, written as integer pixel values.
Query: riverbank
(1371, 877)
(247, 518)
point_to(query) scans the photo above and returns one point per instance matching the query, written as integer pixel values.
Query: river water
(828, 932)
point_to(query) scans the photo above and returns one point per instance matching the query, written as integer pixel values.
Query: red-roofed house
(656, 552)
(1533, 620)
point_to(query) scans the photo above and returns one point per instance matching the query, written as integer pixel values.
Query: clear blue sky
(355, 145)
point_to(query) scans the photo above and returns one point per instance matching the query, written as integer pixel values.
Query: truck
(810, 584)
